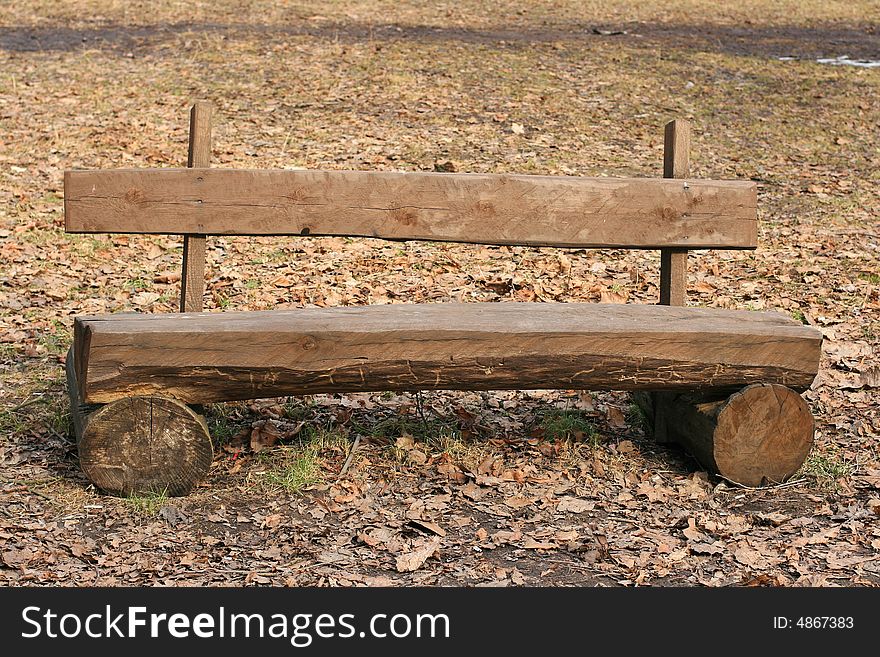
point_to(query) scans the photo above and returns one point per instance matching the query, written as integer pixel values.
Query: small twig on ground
(39, 494)
(787, 484)
(856, 231)
(350, 458)
(420, 407)
(23, 404)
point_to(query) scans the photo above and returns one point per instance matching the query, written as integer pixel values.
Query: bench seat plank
(565, 211)
(208, 357)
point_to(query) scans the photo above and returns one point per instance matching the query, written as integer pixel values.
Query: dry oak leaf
(417, 457)
(749, 556)
(616, 418)
(472, 491)
(775, 518)
(264, 435)
(531, 544)
(455, 473)
(272, 521)
(610, 296)
(145, 298)
(566, 536)
(518, 502)
(503, 537)
(692, 533)
(412, 561)
(405, 442)
(17, 558)
(575, 505)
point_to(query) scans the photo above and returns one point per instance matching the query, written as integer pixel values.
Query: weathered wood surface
(79, 410)
(192, 280)
(759, 435)
(673, 262)
(476, 208)
(205, 357)
(139, 445)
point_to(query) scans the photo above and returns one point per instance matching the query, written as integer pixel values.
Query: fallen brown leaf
(412, 561)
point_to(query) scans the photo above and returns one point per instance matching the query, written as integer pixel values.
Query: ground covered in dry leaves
(488, 489)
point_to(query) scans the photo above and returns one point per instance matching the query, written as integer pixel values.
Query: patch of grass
(147, 504)
(8, 351)
(568, 425)
(279, 255)
(798, 315)
(293, 467)
(85, 245)
(60, 419)
(298, 409)
(467, 453)
(298, 472)
(136, 284)
(55, 340)
(12, 423)
(49, 411)
(826, 469)
(320, 439)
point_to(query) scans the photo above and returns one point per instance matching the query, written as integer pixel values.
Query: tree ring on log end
(141, 445)
(764, 433)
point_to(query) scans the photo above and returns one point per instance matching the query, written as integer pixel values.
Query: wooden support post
(139, 445)
(192, 280)
(673, 262)
(757, 436)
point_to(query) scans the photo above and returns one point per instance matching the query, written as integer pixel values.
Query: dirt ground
(477, 489)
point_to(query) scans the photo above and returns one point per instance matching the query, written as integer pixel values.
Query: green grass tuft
(826, 470)
(568, 425)
(295, 472)
(147, 504)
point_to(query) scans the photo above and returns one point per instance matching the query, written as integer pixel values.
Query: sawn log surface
(206, 357)
(476, 208)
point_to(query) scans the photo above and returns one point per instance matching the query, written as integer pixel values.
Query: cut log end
(763, 435)
(142, 445)
(758, 436)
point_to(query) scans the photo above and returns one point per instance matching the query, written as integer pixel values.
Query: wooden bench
(722, 383)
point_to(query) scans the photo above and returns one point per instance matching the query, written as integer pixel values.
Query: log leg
(139, 444)
(760, 435)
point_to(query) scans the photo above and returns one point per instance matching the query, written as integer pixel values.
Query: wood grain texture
(139, 445)
(206, 357)
(476, 208)
(760, 435)
(192, 280)
(673, 262)
(673, 277)
(676, 149)
(200, 115)
(79, 411)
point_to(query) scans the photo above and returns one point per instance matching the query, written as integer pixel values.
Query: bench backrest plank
(523, 210)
